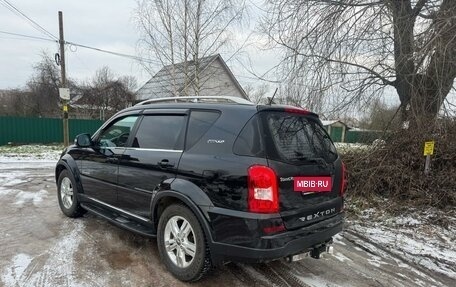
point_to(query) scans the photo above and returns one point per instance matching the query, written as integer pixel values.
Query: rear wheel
(182, 244)
(66, 193)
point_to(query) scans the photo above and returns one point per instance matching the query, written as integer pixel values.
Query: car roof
(210, 103)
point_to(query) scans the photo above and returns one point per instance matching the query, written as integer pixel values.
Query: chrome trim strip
(154, 149)
(143, 190)
(119, 209)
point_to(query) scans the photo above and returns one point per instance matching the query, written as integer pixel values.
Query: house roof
(171, 77)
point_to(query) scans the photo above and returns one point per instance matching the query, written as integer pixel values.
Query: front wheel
(66, 193)
(182, 245)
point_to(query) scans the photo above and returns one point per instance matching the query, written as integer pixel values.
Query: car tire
(67, 195)
(182, 244)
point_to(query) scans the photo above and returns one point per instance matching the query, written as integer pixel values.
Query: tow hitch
(316, 252)
(323, 249)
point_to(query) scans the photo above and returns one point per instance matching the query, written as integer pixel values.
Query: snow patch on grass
(27, 153)
(27, 157)
(347, 147)
(414, 237)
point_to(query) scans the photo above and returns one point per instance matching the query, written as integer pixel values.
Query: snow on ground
(41, 152)
(26, 196)
(413, 236)
(19, 264)
(346, 147)
(27, 156)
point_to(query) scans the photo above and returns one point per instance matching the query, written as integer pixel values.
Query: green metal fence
(42, 130)
(366, 137)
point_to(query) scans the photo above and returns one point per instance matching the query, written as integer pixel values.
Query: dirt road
(39, 246)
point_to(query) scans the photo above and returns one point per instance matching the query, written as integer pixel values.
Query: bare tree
(44, 89)
(176, 31)
(380, 117)
(15, 102)
(257, 94)
(356, 49)
(105, 94)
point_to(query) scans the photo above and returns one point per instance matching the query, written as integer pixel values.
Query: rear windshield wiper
(318, 160)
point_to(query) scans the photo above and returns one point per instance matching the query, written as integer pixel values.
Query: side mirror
(83, 140)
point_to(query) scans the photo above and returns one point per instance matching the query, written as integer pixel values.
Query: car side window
(116, 135)
(199, 124)
(161, 132)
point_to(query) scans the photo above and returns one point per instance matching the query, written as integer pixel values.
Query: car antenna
(271, 99)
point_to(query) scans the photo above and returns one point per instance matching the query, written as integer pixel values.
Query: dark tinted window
(249, 141)
(116, 135)
(297, 138)
(200, 122)
(161, 132)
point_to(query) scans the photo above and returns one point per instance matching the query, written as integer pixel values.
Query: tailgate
(301, 205)
(308, 169)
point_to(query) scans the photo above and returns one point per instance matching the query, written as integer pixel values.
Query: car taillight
(344, 181)
(263, 190)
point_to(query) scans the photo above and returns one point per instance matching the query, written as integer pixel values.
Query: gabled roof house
(209, 76)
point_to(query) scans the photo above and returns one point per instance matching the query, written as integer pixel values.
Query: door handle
(165, 163)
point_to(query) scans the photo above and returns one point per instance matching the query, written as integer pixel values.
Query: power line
(103, 51)
(82, 46)
(28, 36)
(111, 52)
(19, 13)
(37, 26)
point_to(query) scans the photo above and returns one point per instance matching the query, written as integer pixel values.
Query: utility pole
(65, 99)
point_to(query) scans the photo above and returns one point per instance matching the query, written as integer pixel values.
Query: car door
(99, 162)
(152, 157)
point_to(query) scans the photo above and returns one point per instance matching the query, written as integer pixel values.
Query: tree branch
(377, 75)
(418, 7)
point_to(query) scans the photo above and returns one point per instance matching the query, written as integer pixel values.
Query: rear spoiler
(286, 109)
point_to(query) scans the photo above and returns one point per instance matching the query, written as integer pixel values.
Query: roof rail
(197, 99)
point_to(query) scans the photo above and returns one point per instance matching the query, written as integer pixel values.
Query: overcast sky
(106, 25)
(97, 23)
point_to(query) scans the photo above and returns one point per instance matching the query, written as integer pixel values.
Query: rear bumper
(259, 248)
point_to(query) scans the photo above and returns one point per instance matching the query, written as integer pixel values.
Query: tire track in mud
(280, 273)
(274, 273)
(239, 271)
(355, 238)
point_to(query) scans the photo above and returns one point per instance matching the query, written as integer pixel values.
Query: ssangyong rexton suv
(213, 180)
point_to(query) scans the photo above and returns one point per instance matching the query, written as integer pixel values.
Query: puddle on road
(118, 259)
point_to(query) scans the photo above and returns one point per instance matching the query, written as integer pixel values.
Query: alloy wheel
(66, 192)
(180, 241)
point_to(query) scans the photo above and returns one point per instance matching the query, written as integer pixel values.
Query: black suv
(214, 180)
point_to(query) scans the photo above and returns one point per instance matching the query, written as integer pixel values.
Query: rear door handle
(165, 163)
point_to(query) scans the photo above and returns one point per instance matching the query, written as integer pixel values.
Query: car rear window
(297, 138)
